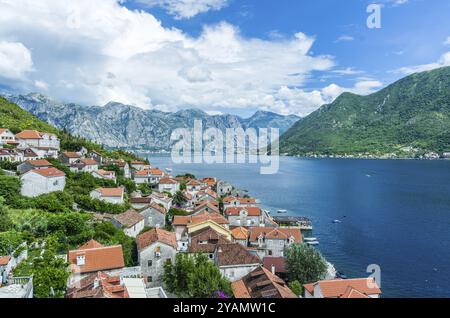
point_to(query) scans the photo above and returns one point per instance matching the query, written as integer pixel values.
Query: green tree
(296, 287)
(5, 219)
(194, 277)
(304, 264)
(178, 199)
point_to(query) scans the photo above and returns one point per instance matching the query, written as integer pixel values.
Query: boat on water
(310, 239)
(312, 243)
(282, 211)
(341, 275)
(337, 221)
(168, 169)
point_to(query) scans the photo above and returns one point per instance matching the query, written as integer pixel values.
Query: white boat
(168, 170)
(337, 221)
(282, 211)
(313, 243)
(309, 239)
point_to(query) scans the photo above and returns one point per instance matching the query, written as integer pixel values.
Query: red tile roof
(39, 163)
(98, 285)
(89, 162)
(234, 254)
(195, 219)
(261, 283)
(337, 288)
(129, 218)
(71, 155)
(110, 192)
(235, 211)
(49, 172)
(4, 260)
(206, 240)
(29, 134)
(143, 200)
(275, 233)
(168, 181)
(241, 200)
(156, 235)
(278, 262)
(240, 233)
(97, 257)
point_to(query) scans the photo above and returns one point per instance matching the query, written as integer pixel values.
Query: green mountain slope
(413, 112)
(16, 119)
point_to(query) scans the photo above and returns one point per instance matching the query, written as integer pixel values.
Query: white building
(162, 199)
(169, 185)
(104, 174)
(41, 181)
(109, 195)
(84, 165)
(148, 176)
(6, 137)
(131, 222)
(235, 261)
(44, 144)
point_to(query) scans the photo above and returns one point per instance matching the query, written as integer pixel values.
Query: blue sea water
(394, 213)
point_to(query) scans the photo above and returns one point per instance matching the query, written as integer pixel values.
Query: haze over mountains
(124, 126)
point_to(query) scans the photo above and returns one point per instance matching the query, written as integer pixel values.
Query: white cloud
(96, 51)
(344, 38)
(447, 42)
(347, 71)
(185, 9)
(444, 60)
(15, 60)
(41, 84)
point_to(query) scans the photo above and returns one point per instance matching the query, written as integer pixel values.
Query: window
(150, 263)
(55, 183)
(149, 279)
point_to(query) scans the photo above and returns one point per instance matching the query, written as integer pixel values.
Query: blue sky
(237, 56)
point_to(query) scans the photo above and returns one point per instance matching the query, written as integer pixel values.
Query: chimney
(96, 283)
(273, 269)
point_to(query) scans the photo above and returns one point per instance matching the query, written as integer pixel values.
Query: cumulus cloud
(185, 9)
(444, 60)
(96, 51)
(15, 60)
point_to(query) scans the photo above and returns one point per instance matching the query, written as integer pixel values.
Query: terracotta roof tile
(261, 283)
(71, 155)
(275, 233)
(240, 233)
(110, 192)
(278, 262)
(195, 219)
(168, 181)
(240, 290)
(39, 163)
(49, 172)
(228, 200)
(129, 218)
(338, 287)
(89, 162)
(98, 285)
(235, 211)
(29, 134)
(206, 240)
(156, 235)
(4, 260)
(235, 254)
(97, 258)
(143, 200)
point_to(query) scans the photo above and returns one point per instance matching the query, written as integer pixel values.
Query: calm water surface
(394, 213)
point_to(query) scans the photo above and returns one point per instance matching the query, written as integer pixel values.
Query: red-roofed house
(271, 241)
(93, 257)
(69, 157)
(155, 248)
(33, 164)
(84, 165)
(109, 195)
(45, 144)
(343, 288)
(104, 174)
(239, 202)
(41, 181)
(169, 185)
(244, 216)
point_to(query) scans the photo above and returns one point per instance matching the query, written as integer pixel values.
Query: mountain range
(122, 126)
(408, 118)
